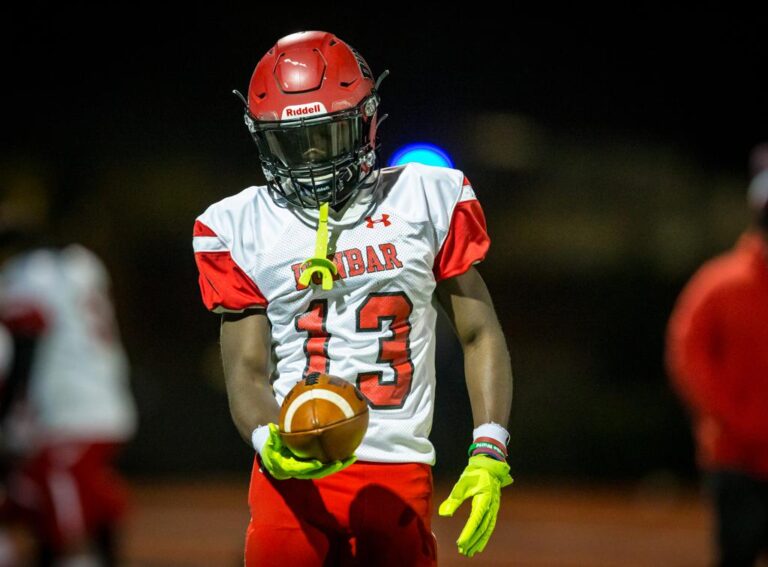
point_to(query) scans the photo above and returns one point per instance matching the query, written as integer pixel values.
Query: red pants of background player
(66, 493)
(367, 514)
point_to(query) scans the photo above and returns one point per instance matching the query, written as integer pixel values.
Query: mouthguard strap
(320, 262)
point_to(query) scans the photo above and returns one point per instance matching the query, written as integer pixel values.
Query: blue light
(427, 154)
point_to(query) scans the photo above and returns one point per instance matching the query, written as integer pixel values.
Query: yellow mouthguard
(320, 262)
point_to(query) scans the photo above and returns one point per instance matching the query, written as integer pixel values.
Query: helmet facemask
(318, 159)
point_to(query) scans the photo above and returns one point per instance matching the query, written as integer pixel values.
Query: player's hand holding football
(482, 479)
(282, 463)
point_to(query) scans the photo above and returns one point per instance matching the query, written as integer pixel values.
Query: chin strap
(320, 262)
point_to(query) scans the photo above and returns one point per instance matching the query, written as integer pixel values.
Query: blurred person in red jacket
(717, 355)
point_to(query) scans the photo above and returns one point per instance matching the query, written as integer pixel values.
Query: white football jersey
(78, 383)
(412, 226)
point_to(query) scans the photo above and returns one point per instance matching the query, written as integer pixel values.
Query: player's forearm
(251, 401)
(245, 354)
(16, 381)
(488, 372)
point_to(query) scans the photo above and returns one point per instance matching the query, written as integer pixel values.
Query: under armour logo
(371, 221)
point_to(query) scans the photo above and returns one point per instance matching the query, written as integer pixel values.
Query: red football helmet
(312, 110)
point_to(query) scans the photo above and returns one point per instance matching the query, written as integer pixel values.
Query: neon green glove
(282, 463)
(482, 479)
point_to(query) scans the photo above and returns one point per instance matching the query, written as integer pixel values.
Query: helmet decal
(308, 109)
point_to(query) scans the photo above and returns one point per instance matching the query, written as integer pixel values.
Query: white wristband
(259, 437)
(492, 430)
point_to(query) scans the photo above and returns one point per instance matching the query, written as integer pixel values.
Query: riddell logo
(309, 109)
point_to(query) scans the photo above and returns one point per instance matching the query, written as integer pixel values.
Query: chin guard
(320, 262)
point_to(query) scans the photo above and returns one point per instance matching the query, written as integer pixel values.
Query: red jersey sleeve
(467, 240)
(224, 286)
(24, 318)
(693, 344)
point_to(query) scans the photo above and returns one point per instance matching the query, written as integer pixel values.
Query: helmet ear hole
(370, 106)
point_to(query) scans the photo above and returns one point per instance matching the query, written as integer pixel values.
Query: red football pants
(67, 492)
(367, 514)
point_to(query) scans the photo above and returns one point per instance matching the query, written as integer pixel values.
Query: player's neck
(368, 181)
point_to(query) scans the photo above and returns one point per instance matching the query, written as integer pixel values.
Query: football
(323, 417)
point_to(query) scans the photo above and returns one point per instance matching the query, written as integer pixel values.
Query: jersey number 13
(394, 349)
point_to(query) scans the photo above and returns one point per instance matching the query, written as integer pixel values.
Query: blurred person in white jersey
(65, 403)
(389, 243)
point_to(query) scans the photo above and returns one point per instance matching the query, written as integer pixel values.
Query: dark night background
(609, 152)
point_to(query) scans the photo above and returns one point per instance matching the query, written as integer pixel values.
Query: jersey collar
(353, 211)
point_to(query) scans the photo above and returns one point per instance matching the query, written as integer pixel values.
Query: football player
(65, 406)
(387, 241)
